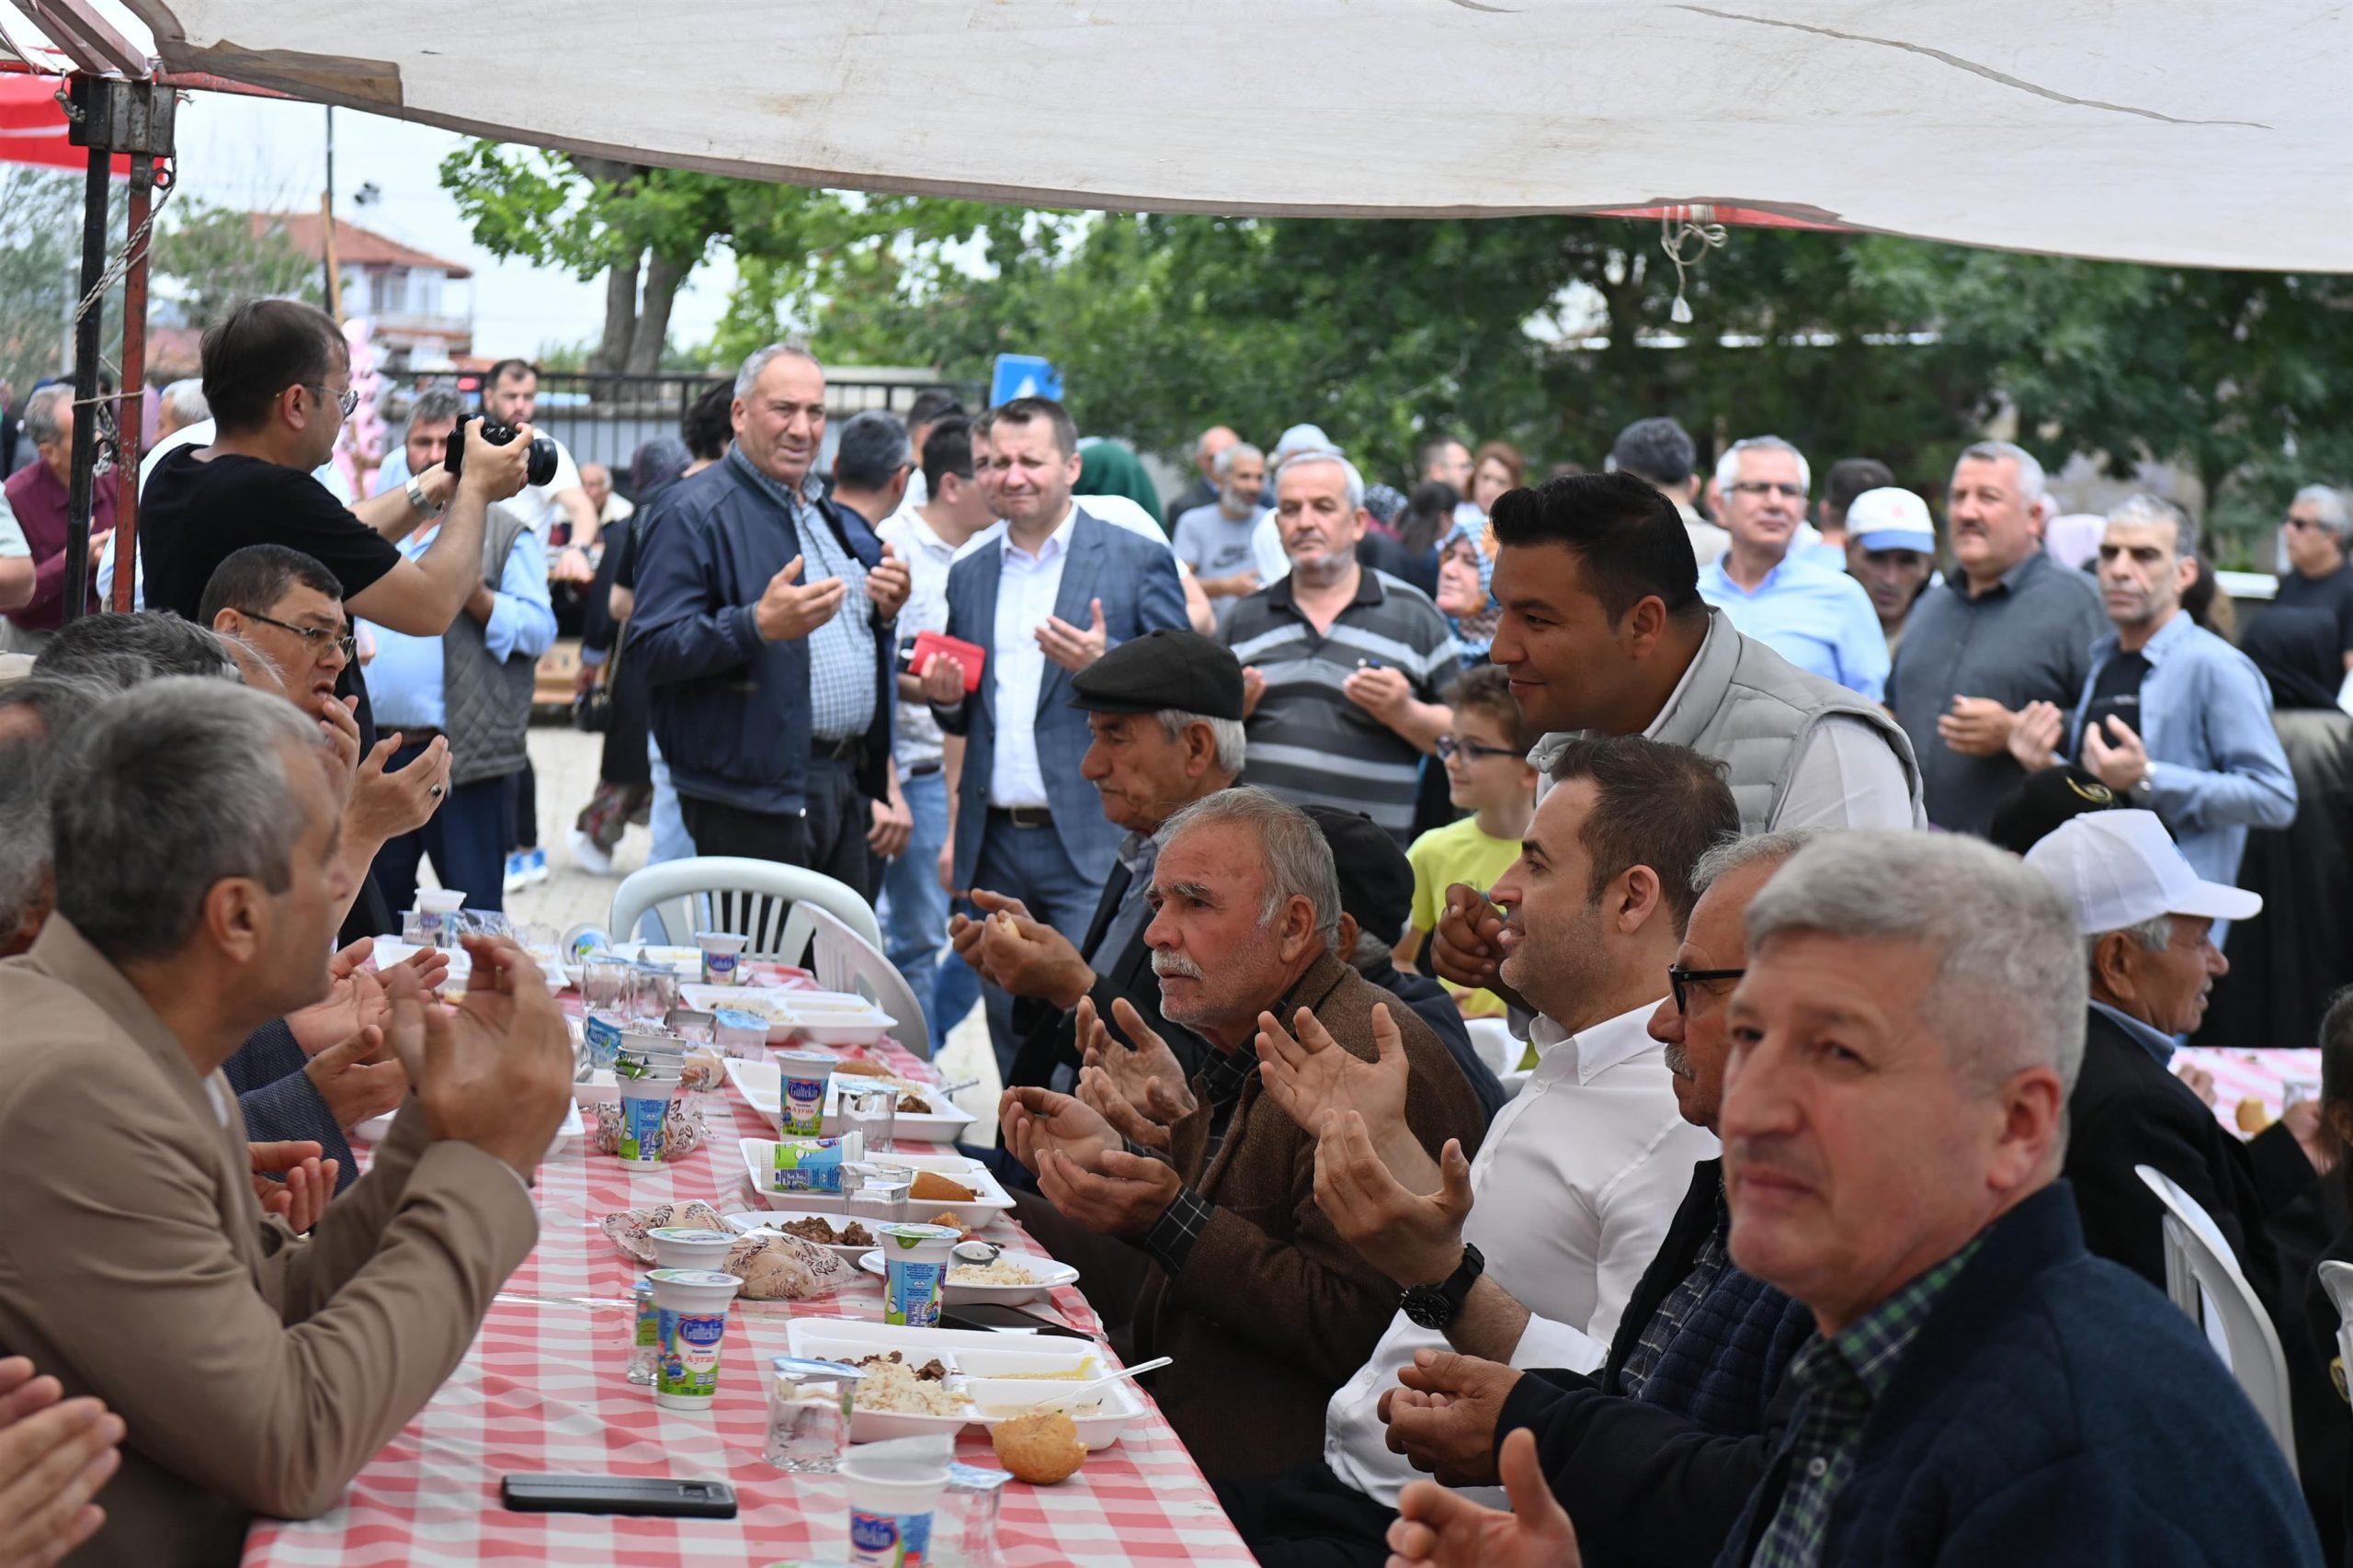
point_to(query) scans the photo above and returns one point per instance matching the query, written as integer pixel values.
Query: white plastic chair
(2203, 1280)
(772, 905)
(847, 959)
(2337, 1279)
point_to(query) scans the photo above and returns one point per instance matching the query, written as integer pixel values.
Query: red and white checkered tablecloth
(2252, 1075)
(544, 1389)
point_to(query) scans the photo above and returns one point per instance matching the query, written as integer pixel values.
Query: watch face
(1425, 1307)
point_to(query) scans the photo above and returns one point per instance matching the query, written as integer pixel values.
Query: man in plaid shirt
(1981, 1390)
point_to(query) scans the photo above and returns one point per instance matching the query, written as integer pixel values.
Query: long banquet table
(544, 1387)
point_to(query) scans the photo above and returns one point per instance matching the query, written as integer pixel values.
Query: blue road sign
(1023, 375)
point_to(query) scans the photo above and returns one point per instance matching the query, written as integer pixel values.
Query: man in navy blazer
(763, 625)
(1978, 1388)
(1045, 598)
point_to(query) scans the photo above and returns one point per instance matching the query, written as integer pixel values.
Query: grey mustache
(1176, 964)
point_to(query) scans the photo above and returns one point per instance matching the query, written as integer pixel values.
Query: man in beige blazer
(195, 846)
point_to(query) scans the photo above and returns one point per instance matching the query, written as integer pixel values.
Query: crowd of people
(1840, 886)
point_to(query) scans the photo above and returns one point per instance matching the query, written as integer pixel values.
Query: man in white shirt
(1045, 597)
(510, 394)
(1529, 1255)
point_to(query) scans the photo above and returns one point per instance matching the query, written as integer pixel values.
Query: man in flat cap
(1165, 713)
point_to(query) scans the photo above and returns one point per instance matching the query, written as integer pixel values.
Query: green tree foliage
(1552, 333)
(216, 257)
(41, 211)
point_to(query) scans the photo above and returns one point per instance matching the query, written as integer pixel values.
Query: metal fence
(605, 418)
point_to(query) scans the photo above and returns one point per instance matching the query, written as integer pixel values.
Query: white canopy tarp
(2209, 132)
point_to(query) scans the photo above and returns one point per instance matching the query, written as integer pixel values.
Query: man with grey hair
(2171, 716)
(2148, 920)
(179, 405)
(2007, 628)
(2317, 534)
(194, 828)
(39, 497)
(1164, 714)
(1771, 582)
(763, 620)
(1215, 540)
(1251, 1289)
(1978, 1387)
(1342, 665)
(1661, 453)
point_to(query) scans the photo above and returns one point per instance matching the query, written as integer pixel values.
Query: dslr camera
(538, 466)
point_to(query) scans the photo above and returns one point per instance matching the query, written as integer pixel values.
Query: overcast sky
(263, 153)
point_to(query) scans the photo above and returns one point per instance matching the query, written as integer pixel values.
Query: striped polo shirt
(1307, 742)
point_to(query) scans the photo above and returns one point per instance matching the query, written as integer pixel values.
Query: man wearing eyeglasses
(1771, 586)
(1581, 1174)
(277, 376)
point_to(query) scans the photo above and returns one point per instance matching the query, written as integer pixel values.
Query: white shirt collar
(1716, 626)
(1600, 1047)
(1056, 543)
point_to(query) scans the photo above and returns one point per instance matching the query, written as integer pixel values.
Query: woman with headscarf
(625, 781)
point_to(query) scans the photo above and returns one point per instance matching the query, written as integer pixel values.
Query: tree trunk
(663, 280)
(621, 319)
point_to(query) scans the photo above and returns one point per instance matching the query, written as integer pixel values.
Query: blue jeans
(1031, 864)
(914, 906)
(671, 840)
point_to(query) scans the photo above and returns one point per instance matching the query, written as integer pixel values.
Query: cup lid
(691, 1234)
(710, 1279)
(909, 1234)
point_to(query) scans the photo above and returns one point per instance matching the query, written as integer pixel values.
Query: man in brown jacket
(1264, 1308)
(255, 1370)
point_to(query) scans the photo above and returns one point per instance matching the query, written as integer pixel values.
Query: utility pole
(326, 228)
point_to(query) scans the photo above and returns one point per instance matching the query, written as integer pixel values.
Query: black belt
(411, 734)
(846, 749)
(1024, 817)
(923, 769)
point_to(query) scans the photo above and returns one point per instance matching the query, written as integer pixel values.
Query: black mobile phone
(617, 1494)
(1005, 1320)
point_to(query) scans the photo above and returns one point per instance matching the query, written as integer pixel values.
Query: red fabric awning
(33, 127)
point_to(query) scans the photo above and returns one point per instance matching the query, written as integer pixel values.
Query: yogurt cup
(435, 908)
(690, 1246)
(916, 1260)
(891, 1506)
(646, 1107)
(693, 1326)
(814, 1165)
(801, 1093)
(722, 958)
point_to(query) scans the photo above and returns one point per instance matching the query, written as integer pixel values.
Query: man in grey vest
(1604, 631)
(472, 685)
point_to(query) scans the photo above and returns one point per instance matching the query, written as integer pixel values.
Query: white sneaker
(535, 865)
(518, 870)
(586, 856)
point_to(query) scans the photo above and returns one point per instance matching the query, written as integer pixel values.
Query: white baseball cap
(1890, 518)
(2120, 868)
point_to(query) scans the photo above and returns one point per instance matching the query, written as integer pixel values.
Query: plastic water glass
(809, 1415)
(873, 1110)
(653, 993)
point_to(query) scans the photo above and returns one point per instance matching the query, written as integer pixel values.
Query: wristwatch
(1434, 1306)
(416, 499)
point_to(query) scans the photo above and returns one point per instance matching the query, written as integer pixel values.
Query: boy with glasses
(1487, 775)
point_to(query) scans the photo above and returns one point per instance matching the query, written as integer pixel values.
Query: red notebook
(971, 656)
